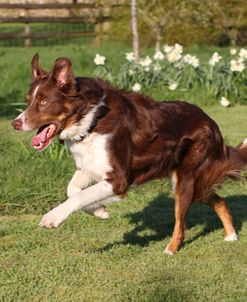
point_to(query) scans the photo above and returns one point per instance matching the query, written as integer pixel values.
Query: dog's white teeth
(51, 127)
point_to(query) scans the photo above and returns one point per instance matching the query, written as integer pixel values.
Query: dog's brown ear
(36, 69)
(62, 72)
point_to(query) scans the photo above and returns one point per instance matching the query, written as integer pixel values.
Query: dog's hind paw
(101, 213)
(232, 237)
(168, 252)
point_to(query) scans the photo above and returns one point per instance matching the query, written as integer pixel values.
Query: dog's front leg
(97, 192)
(79, 181)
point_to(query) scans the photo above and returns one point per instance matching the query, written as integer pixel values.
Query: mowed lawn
(120, 259)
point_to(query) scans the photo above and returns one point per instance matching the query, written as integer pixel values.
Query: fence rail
(45, 5)
(12, 36)
(55, 5)
(51, 19)
(81, 13)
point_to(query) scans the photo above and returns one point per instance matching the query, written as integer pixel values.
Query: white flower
(194, 61)
(167, 48)
(241, 60)
(136, 87)
(191, 60)
(130, 56)
(225, 102)
(145, 62)
(159, 56)
(214, 59)
(178, 48)
(156, 67)
(233, 51)
(173, 53)
(173, 86)
(173, 56)
(99, 60)
(243, 53)
(147, 68)
(131, 72)
(236, 66)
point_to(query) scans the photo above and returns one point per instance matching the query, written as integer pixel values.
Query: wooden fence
(82, 13)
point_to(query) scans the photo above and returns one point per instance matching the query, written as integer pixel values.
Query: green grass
(120, 259)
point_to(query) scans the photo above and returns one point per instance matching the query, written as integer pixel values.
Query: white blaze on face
(22, 116)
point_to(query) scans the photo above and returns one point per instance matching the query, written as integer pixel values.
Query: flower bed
(221, 78)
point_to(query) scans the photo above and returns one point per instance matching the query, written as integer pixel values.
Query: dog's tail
(212, 175)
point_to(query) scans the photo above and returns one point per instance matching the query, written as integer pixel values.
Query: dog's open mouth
(44, 136)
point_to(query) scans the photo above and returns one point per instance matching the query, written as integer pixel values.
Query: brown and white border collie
(120, 138)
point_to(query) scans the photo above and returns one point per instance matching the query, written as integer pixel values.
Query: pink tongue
(41, 137)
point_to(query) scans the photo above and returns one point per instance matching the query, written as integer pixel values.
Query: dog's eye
(43, 102)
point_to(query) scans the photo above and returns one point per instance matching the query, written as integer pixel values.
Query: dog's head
(53, 104)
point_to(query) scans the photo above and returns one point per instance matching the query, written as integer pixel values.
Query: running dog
(120, 138)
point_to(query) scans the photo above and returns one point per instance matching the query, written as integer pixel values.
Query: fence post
(27, 41)
(97, 30)
(102, 27)
(98, 27)
(106, 13)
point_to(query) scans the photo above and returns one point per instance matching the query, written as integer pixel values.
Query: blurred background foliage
(188, 22)
(217, 22)
(203, 27)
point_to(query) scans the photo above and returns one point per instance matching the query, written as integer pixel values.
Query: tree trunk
(134, 27)
(233, 35)
(158, 39)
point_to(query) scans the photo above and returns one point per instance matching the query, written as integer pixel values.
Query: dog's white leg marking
(100, 212)
(174, 181)
(98, 209)
(111, 200)
(232, 237)
(79, 181)
(99, 191)
(166, 251)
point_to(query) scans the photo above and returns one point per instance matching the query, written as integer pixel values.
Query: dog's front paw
(55, 217)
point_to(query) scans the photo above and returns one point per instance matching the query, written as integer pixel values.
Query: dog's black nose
(17, 124)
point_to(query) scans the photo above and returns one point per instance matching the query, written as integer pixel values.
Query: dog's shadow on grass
(156, 221)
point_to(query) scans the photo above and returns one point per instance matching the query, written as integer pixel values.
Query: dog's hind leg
(219, 205)
(99, 210)
(184, 192)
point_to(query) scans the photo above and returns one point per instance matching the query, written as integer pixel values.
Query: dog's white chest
(91, 155)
